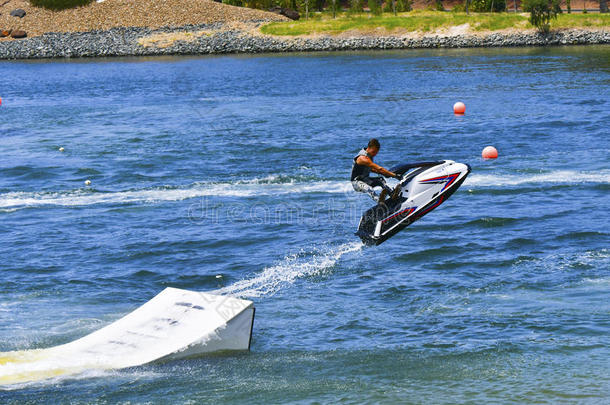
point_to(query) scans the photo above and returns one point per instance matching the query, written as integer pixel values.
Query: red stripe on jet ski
(440, 200)
(453, 177)
(449, 178)
(411, 209)
(434, 179)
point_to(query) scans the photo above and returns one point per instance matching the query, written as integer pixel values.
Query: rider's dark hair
(374, 143)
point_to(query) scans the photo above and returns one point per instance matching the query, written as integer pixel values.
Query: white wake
(271, 279)
(554, 177)
(271, 185)
(85, 197)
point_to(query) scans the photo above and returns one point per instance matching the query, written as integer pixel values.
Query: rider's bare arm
(366, 161)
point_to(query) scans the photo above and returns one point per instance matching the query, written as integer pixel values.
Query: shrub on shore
(334, 7)
(401, 6)
(541, 12)
(486, 6)
(356, 6)
(59, 4)
(374, 7)
(404, 5)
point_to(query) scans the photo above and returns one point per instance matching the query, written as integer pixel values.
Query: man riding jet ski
(361, 173)
(422, 187)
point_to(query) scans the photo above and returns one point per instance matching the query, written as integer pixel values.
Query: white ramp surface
(174, 324)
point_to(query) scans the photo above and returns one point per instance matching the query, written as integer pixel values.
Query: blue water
(230, 173)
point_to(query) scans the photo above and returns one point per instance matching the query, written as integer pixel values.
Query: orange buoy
(0, 100)
(489, 153)
(459, 108)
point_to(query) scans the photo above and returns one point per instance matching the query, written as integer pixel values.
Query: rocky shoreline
(220, 38)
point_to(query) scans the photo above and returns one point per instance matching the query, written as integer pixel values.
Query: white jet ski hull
(421, 190)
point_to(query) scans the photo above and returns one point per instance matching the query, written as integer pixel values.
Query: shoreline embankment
(245, 38)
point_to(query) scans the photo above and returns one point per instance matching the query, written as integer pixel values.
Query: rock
(19, 34)
(292, 14)
(5, 33)
(18, 13)
(286, 12)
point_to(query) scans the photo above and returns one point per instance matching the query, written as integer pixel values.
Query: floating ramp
(173, 325)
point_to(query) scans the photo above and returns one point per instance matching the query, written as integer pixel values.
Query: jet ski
(423, 187)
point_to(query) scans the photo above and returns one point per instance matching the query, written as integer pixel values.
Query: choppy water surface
(237, 166)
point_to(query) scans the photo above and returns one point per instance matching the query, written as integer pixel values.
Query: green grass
(582, 21)
(424, 21)
(60, 4)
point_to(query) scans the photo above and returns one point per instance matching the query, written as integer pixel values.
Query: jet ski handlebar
(405, 167)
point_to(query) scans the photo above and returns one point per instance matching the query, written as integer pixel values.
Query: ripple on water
(499, 295)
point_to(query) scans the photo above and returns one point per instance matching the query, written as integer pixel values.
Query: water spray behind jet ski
(424, 186)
